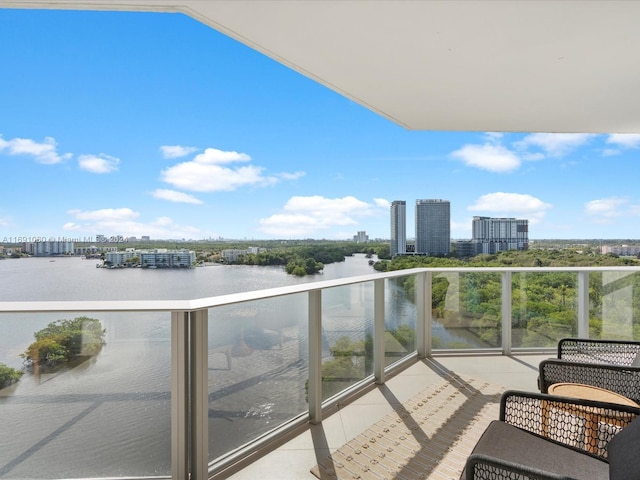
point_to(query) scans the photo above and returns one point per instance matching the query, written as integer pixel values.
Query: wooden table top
(589, 392)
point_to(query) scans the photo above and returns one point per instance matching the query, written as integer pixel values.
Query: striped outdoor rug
(428, 437)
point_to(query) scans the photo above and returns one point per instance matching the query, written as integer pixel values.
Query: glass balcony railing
(196, 386)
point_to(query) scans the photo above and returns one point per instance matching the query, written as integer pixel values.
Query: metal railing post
(378, 330)
(179, 395)
(424, 305)
(583, 304)
(506, 313)
(199, 340)
(315, 356)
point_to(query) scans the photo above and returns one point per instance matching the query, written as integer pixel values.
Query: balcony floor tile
(294, 459)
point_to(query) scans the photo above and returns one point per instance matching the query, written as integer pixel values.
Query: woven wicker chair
(610, 364)
(542, 436)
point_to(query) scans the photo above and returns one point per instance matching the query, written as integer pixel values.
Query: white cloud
(554, 144)
(305, 216)
(291, 176)
(197, 177)
(624, 140)
(511, 204)
(105, 214)
(176, 151)
(70, 226)
(44, 152)
(491, 157)
(124, 221)
(606, 207)
(214, 156)
(173, 196)
(382, 202)
(98, 163)
(208, 172)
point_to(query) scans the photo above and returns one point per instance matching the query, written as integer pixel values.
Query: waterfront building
(118, 259)
(231, 255)
(158, 258)
(93, 249)
(48, 248)
(433, 226)
(163, 258)
(398, 227)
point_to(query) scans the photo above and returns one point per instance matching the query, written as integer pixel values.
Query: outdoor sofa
(610, 364)
(540, 436)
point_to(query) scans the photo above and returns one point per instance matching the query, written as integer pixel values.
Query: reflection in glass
(81, 404)
(258, 368)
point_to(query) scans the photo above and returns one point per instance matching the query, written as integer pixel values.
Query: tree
(63, 340)
(9, 375)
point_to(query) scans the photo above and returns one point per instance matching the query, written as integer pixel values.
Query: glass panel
(466, 310)
(400, 318)
(83, 408)
(545, 308)
(614, 305)
(258, 369)
(347, 336)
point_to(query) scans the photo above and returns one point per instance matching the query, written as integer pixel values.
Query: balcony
(268, 382)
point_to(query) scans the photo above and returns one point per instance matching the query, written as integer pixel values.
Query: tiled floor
(293, 460)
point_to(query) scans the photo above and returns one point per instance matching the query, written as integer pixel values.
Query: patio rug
(428, 437)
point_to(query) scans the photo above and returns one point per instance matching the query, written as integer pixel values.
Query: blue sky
(153, 124)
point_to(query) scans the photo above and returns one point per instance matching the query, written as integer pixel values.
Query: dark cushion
(624, 453)
(504, 443)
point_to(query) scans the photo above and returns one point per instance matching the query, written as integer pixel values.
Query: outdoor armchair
(540, 436)
(610, 364)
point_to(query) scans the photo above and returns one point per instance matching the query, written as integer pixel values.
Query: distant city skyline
(149, 124)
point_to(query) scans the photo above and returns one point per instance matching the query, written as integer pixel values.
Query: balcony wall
(200, 385)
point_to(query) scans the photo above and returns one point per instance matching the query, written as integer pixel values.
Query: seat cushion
(624, 453)
(504, 442)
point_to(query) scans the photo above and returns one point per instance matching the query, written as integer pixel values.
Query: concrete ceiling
(528, 66)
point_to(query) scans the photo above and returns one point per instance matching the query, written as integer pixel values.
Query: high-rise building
(361, 237)
(498, 234)
(398, 227)
(433, 227)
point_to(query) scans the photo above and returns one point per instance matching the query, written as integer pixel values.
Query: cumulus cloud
(210, 171)
(176, 151)
(125, 222)
(554, 144)
(44, 152)
(490, 156)
(173, 196)
(621, 141)
(625, 140)
(98, 163)
(504, 204)
(305, 216)
(213, 156)
(494, 156)
(382, 202)
(605, 209)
